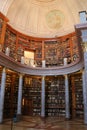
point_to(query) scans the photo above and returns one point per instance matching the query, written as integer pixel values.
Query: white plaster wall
(4, 5)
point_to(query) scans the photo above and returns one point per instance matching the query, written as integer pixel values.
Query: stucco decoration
(55, 19)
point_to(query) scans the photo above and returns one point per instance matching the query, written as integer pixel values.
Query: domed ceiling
(43, 18)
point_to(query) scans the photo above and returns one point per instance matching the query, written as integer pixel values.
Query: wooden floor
(36, 123)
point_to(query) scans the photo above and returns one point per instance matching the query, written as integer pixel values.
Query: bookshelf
(77, 107)
(55, 96)
(11, 92)
(75, 50)
(38, 53)
(1, 25)
(32, 96)
(56, 51)
(79, 95)
(11, 95)
(0, 74)
(64, 51)
(51, 53)
(10, 41)
(52, 50)
(1, 29)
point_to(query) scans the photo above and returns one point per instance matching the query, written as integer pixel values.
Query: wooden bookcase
(56, 51)
(55, 96)
(75, 49)
(0, 74)
(54, 99)
(3, 23)
(31, 103)
(38, 53)
(52, 50)
(25, 44)
(64, 51)
(77, 108)
(51, 53)
(10, 41)
(11, 94)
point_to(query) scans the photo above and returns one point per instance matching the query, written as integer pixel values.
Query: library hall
(43, 64)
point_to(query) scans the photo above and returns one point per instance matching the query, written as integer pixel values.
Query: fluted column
(19, 105)
(67, 109)
(2, 93)
(84, 77)
(43, 97)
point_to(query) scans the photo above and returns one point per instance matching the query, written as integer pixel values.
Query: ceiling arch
(43, 18)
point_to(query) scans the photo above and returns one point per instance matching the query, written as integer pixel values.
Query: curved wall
(43, 18)
(52, 50)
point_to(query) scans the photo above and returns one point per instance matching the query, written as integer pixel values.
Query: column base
(85, 123)
(43, 116)
(1, 122)
(67, 119)
(18, 117)
(43, 119)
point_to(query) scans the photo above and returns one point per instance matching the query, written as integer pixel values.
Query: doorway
(27, 105)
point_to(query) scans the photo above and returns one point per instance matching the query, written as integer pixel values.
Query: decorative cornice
(80, 26)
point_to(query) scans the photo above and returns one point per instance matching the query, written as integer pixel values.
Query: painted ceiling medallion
(55, 19)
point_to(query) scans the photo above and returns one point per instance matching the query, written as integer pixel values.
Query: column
(43, 97)
(82, 16)
(3, 81)
(84, 77)
(67, 109)
(19, 105)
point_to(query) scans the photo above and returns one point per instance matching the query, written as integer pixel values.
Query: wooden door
(28, 107)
